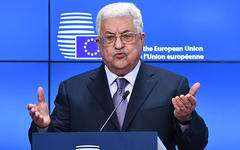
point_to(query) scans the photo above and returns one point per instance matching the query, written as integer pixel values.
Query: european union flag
(87, 47)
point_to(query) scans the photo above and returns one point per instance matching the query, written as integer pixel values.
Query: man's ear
(143, 39)
(98, 41)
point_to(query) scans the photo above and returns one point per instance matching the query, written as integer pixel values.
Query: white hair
(119, 10)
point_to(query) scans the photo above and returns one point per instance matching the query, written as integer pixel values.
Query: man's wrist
(184, 122)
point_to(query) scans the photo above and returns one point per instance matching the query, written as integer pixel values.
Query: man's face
(120, 57)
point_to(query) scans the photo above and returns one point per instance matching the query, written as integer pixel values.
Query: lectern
(97, 141)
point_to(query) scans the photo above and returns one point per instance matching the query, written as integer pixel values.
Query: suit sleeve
(60, 118)
(195, 137)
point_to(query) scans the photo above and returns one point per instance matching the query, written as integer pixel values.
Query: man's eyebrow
(108, 32)
(125, 31)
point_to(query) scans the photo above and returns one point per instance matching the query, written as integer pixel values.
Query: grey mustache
(115, 52)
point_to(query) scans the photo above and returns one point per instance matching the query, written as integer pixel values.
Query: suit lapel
(99, 88)
(142, 88)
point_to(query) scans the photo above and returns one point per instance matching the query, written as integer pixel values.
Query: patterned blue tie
(117, 97)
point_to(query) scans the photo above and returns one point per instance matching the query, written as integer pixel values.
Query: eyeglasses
(126, 38)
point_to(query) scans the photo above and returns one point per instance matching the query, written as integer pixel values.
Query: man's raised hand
(185, 104)
(39, 112)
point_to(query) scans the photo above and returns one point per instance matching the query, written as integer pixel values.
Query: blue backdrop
(31, 30)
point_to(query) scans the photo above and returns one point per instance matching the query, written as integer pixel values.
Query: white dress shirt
(130, 77)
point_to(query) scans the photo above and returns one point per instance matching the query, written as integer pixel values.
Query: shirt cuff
(183, 127)
(42, 130)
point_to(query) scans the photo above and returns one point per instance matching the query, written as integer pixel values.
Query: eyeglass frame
(116, 36)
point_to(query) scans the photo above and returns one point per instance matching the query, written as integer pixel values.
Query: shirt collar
(131, 76)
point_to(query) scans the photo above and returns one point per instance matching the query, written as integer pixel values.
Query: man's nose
(118, 43)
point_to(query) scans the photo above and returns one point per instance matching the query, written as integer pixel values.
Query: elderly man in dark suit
(159, 100)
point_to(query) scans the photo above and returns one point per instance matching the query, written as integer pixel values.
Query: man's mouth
(120, 55)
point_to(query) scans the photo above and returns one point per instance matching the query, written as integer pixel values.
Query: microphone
(125, 94)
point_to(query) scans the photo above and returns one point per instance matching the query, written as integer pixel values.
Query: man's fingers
(39, 112)
(37, 117)
(181, 104)
(178, 104)
(185, 101)
(41, 98)
(41, 119)
(175, 104)
(194, 89)
(30, 106)
(32, 113)
(185, 104)
(193, 101)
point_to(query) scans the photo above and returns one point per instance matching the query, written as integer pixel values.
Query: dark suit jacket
(84, 103)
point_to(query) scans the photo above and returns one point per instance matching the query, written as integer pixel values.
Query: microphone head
(125, 94)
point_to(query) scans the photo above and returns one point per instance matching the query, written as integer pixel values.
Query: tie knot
(121, 83)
